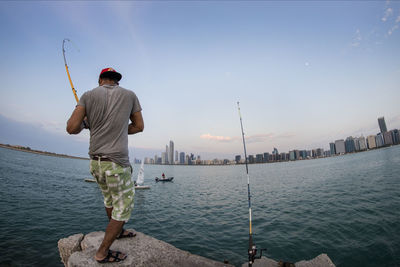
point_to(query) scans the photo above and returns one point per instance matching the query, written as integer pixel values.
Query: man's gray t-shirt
(108, 109)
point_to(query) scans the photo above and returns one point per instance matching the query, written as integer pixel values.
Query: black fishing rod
(252, 251)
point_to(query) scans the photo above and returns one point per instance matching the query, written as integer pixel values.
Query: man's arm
(75, 122)
(137, 124)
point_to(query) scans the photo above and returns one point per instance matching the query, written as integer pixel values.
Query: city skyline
(305, 73)
(338, 147)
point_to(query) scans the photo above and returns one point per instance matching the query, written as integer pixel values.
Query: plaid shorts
(117, 187)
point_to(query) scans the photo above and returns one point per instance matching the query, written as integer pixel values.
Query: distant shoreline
(34, 151)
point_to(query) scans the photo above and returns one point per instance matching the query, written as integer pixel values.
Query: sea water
(346, 206)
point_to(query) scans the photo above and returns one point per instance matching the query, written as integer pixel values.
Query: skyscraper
(166, 155)
(379, 140)
(339, 146)
(266, 157)
(387, 138)
(182, 158)
(349, 145)
(237, 158)
(371, 141)
(361, 141)
(171, 152)
(395, 136)
(332, 148)
(382, 124)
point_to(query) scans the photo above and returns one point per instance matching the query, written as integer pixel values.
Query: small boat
(140, 179)
(90, 180)
(169, 179)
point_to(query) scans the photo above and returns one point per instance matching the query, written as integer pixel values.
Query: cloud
(257, 138)
(393, 29)
(216, 138)
(260, 138)
(356, 39)
(398, 19)
(388, 13)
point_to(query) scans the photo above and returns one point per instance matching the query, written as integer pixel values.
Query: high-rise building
(171, 152)
(251, 159)
(266, 157)
(296, 154)
(176, 156)
(387, 138)
(237, 158)
(349, 145)
(292, 155)
(166, 154)
(163, 158)
(371, 141)
(182, 158)
(332, 148)
(382, 124)
(340, 147)
(356, 144)
(379, 140)
(259, 158)
(395, 136)
(362, 144)
(275, 151)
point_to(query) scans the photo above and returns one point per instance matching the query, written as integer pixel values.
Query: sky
(306, 73)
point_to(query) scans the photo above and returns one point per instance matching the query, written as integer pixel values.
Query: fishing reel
(253, 254)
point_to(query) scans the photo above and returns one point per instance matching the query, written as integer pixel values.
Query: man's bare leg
(113, 229)
(109, 212)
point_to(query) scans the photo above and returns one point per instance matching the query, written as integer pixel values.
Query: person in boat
(163, 176)
(106, 111)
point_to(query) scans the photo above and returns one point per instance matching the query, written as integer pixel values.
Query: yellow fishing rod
(66, 68)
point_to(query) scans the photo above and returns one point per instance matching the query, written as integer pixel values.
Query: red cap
(110, 73)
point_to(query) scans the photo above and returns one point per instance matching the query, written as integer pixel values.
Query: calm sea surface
(347, 207)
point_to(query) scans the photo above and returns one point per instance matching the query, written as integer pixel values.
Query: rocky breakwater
(78, 251)
(142, 250)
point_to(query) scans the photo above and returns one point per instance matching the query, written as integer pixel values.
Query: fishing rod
(85, 123)
(252, 251)
(66, 68)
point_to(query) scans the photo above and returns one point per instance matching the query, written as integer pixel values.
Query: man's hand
(75, 122)
(137, 124)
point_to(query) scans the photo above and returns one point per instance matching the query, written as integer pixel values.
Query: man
(106, 111)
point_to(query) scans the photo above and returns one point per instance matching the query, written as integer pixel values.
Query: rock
(320, 261)
(69, 245)
(263, 262)
(142, 250)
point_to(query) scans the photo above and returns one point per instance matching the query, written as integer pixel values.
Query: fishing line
(252, 250)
